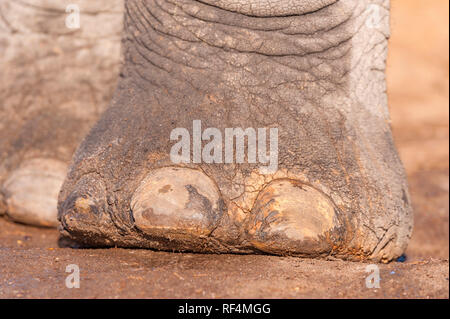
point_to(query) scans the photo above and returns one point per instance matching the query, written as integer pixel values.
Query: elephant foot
(52, 91)
(240, 131)
(182, 209)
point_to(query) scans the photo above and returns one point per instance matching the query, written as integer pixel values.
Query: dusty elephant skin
(54, 83)
(316, 74)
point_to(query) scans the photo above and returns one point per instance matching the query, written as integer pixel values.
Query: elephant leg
(303, 81)
(54, 83)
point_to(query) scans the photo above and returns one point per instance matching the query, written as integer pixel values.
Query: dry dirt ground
(32, 265)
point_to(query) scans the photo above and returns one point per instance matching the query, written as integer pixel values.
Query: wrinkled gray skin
(313, 69)
(54, 84)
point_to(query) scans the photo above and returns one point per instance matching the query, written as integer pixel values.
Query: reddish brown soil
(32, 265)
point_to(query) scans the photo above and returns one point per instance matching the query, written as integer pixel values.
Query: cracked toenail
(289, 215)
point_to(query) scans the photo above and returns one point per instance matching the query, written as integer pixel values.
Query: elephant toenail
(176, 202)
(32, 192)
(293, 217)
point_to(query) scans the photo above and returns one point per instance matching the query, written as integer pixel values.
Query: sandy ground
(32, 265)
